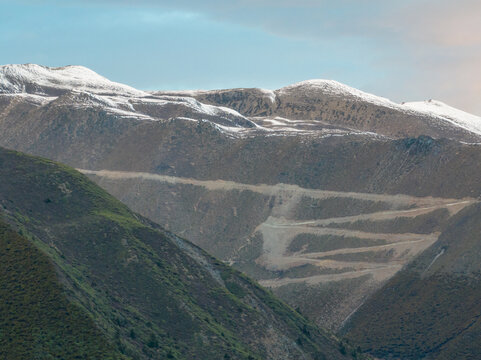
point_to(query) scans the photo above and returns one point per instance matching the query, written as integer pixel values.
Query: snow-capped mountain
(310, 107)
(314, 183)
(336, 104)
(79, 87)
(317, 87)
(438, 109)
(43, 80)
(431, 108)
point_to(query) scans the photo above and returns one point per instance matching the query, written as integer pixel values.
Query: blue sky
(405, 50)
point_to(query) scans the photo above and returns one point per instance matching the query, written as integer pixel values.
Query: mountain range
(348, 206)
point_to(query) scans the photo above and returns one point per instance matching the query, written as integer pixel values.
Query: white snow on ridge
(180, 93)
(332, 87)
(80, 87)
(271, 95)
(15, 79)
(119, 106)
(455, 116)
(431, 108)
(33, 99)
(445, 115)
(193, 104)
(85, 88)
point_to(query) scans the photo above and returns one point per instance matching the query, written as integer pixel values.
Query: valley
(290, 244)
(329, 196)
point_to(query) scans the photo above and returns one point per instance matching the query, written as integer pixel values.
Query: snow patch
(455, 116)
(183, 118)
(434, 260)
(271, 95)
(33, 99)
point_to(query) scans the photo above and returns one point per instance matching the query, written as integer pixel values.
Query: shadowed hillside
(37, 321)
(152, 294)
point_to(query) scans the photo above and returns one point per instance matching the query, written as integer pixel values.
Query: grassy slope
(149, 297)
(36, 319)
(429, 311)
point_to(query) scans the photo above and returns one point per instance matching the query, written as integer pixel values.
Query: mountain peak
(439, 109)
(44, 80)
(314, 87)
(316, 94)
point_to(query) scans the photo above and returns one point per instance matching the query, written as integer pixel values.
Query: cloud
(443, 23)
(444, 41)
(439, 41)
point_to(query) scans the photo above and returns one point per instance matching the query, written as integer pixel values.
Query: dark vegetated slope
(432, 308)
(222, 219)
(49, 131)
(37, 321)
(151, 293)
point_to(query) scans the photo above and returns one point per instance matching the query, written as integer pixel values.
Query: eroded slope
(296, 241)
(431, 309)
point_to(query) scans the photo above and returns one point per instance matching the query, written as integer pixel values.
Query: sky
(405, 50)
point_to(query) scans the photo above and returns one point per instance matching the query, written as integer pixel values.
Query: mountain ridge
(45, 81)
(353, 190)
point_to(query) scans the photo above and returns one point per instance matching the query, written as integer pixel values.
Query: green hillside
(150, 293)
(36, 319)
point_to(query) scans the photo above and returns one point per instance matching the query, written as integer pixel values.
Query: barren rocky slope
(430, 309)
